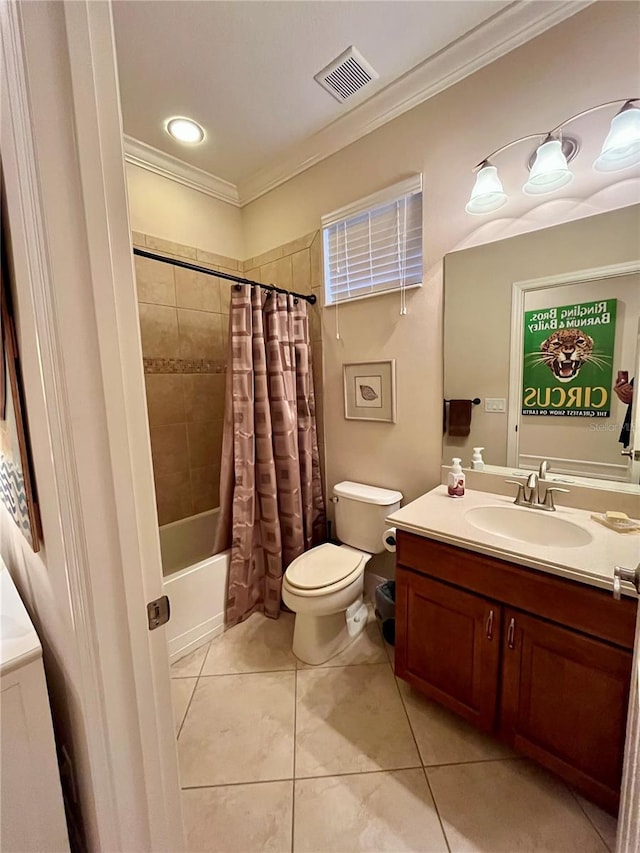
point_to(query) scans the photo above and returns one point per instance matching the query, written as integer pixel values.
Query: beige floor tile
(350, 719)
(509, 807)
(257, 645)
(239, 728)
(372, 812)
(181, 693)
(444, 738)
(367, 648)
(190, 664)
(239, 818)
(606, 824)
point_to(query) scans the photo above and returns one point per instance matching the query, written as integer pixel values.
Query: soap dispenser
(455, 480)
(477, 462)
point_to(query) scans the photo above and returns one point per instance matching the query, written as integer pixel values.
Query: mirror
(538, 326)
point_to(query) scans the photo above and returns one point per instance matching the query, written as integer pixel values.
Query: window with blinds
(375, 245)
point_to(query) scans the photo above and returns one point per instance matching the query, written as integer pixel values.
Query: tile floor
(277, 756)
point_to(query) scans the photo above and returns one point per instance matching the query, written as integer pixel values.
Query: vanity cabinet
(542, 662)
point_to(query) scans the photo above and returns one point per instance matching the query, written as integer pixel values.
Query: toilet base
(316, 639)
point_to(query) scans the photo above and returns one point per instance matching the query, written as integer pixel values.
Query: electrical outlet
(495, 404)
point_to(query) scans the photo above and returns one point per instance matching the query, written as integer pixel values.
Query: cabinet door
(448, 645)
(564, 703)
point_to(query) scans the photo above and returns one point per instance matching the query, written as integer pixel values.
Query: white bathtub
(194, 580)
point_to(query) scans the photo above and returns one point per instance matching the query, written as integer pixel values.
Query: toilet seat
(324, 569)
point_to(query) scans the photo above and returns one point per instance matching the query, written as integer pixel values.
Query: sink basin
(528, 525)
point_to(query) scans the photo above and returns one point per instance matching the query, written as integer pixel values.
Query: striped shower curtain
(271, 504)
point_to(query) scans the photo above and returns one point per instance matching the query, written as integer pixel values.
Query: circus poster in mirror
(16, 484)
(370, 391)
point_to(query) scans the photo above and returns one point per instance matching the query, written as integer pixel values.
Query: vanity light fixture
(184, 130)
(549, 163)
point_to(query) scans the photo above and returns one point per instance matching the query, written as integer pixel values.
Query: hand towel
(459, 417)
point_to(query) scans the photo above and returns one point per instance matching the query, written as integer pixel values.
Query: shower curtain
(271, 504)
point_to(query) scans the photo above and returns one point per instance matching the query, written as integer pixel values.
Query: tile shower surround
(184, 318)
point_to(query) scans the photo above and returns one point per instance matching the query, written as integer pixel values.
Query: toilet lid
(322, 566)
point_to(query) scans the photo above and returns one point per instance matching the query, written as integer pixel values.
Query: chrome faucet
(529, 493)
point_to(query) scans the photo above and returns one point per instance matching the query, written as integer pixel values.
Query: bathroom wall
(172, 211)
(529, 89)
(184, 319)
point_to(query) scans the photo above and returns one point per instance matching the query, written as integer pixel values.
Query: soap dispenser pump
(455, 487)
(477, 462)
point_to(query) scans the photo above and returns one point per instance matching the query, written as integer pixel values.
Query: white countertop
(19, 643)
(437, 516)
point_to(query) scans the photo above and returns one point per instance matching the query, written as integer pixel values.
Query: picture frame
(17, 487)
(370, 391)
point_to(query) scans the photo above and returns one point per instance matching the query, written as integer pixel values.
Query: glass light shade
(549, 171)
(487, 194)
(185, 130)
(621, 148)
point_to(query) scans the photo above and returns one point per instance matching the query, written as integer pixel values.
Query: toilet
(323, 586)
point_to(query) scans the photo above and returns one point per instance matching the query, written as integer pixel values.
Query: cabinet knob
(511, 634)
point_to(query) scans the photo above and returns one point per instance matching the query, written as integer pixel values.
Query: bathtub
(194, 580)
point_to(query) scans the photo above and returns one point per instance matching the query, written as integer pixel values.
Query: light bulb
(487, 194)
(621, 148)
(184, 130)
(549, 171)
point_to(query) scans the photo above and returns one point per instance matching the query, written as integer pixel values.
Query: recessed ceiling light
(184, 130)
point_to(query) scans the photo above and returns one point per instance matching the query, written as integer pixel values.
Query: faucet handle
(548, 495)
(520, 495)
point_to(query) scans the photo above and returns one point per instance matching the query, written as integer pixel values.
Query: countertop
(437, 516)
(19, 643)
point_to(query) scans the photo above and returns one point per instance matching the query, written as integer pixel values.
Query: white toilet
(323, 586)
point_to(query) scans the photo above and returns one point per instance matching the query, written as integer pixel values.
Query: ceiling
(244, 70)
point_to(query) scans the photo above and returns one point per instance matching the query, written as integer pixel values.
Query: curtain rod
(311, 298)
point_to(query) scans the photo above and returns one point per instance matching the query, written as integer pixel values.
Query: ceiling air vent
(346, 75)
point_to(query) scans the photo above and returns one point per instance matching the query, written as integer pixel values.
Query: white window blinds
(375, 245)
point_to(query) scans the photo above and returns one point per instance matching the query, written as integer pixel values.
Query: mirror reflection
(543, 328)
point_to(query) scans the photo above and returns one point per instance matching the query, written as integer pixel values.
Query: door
(564, 703)
(448, 645)
(629, 819)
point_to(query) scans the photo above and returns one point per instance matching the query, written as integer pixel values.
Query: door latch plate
(158, 612)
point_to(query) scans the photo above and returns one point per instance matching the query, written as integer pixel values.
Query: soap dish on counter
(617, 521)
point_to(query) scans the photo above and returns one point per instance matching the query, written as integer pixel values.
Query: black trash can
(386, 610)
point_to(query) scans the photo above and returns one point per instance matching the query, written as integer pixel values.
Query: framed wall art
(16, 484)
(370, 391)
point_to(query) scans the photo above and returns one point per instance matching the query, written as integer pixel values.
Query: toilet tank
(360, 513)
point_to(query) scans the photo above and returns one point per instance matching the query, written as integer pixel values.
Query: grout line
(234, 784)
(248, 672)
(293, 785)
(359, 772)
(588, 817)
(184, 716)
(424, 771)
(474, 761)
(302, 778)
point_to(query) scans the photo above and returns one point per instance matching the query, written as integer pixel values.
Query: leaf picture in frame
(370, 391)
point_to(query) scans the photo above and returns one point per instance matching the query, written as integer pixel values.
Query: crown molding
(506, 30)
(153, 160)
(509, 28)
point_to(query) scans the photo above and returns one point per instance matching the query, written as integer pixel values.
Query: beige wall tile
(199, 334)
(205, 487)
(155, 281)
(265, 257)
(204, 396)
(315, 256)
(171, 248)
(217, 260)
(159, 331)
(138, 239)
(224, 288)
(253, 274)
(197, 290)
(165, 398)
(315, 324)
(299, 243)
(169, 449)
(205, 443)
(301, 271)
(173, 496)
(277, 272)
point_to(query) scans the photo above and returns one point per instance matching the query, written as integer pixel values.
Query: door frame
(83, 275)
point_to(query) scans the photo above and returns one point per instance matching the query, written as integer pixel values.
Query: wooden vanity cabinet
(542, 662)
